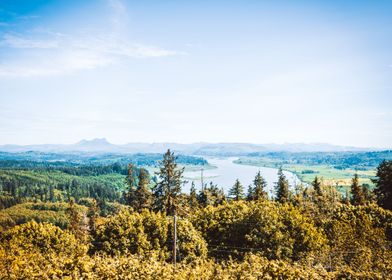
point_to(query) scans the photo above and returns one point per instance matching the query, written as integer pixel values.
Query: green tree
(143, 196)
(260, 186)
(317, 186)
(282, 188)
(130, 195)
(204, 197)
(217, 195)
(193, 203)
(383, 183)
(250, 194)
(237, 191)
(168, 189)
(357, 195)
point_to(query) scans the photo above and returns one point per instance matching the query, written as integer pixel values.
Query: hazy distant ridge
(102, 145)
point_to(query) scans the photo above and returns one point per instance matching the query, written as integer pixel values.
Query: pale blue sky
(189, 71)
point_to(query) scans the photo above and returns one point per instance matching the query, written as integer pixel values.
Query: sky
(191, 71)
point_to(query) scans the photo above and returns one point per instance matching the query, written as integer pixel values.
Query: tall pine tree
(260, 186)
(383, 183)
(317, 186)
(282, 188)
(250, 194)
(237, 191)
(193, 203)
(357, 195)
(168, 189)
(143, 196)
(130, 195)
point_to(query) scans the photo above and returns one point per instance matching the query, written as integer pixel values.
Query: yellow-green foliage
(252, 267)
(147, 232)
(35, 250)
(54, 213)
(274, 230)
(246, 240)
(360, 238)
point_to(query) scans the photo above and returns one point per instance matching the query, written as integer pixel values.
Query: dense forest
(97, 218)
(35, 176)
(339, 160)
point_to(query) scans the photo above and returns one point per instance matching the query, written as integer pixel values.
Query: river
(226, 172)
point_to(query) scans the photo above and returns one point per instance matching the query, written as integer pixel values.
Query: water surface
(226, 172)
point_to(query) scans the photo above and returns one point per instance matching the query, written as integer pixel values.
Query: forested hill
(33, 159)
(339, 160)
(57, 176)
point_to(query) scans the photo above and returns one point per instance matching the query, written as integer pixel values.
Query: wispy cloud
(19, 42)
(51, 53)
(57, 56)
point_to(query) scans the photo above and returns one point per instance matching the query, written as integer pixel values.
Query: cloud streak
(54, 57)
(46, 53)
(13, 41)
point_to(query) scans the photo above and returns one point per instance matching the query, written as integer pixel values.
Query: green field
(307, 172)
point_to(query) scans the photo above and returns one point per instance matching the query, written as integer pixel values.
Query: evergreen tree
(383, 183)
(204, 197)
(250, 194)
(357, 195)
(282, 188)
(317, 186)
(237, 191)
(260, 186)
(130, 195)
(193, 203)
(217, 195)
(143, 196)
(168, 189)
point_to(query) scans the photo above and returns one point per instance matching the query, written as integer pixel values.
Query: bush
(358, 237)
(275, 231)
(43, 251)
(145, 233)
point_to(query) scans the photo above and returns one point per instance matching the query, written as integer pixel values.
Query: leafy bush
(275, 231)
(145, 233)
(43, 251)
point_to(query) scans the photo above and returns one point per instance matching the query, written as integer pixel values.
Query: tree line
(166, 195)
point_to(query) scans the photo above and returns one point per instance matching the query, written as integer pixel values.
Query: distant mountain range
(101, 145)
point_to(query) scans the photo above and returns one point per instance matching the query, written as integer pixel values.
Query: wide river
(226, 172)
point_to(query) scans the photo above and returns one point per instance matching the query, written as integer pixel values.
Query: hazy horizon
(188, 72)
(193, 143)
